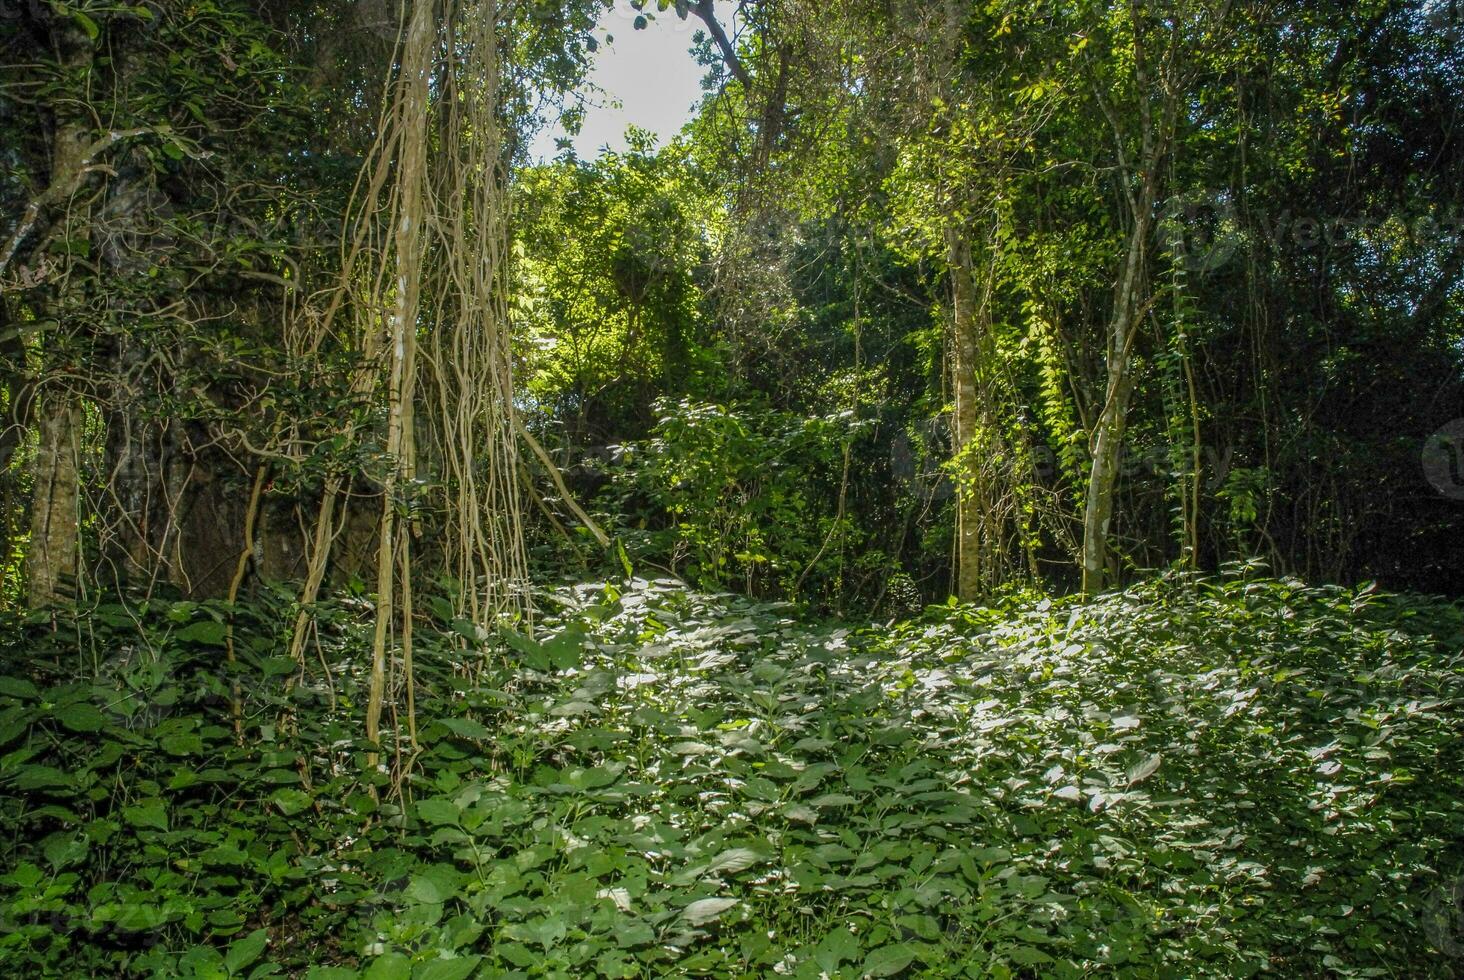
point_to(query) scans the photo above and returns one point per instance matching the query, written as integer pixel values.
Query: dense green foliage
(1198, 777)
(1300, 335)
(744, 494)
(313, 378)
(180, 183)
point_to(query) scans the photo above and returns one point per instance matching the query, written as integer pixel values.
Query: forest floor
(1219, 777)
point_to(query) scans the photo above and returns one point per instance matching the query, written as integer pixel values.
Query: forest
(984, 499)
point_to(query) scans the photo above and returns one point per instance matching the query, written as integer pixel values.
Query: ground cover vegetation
(1221, 777)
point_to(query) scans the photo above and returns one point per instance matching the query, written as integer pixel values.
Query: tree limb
(559, 484)
(59, 190)
(706, 10)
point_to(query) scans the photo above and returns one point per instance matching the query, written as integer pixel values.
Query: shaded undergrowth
(1193, 777)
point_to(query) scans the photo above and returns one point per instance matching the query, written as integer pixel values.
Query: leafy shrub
(735, 497)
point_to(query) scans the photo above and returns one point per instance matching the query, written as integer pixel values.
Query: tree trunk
(1107, 441)
(54, 544)
(394, 546)
(12, 431)
(55, 480)
(966, 417)
(1103, 480)
(144, 460)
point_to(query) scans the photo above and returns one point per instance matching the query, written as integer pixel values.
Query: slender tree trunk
(1103, 480)
(966, 417)
(54, 542)
(12, 420)
(1156, 129)
(1108, 430)
(393, 546)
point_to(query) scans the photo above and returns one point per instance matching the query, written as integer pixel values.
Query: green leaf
(148, 813)
(619, 896)
(278, 666)
(839, 946)
(25, 877)
(19, 687)
(468, 629)
(434, 886)
(1143, 769)
(243, 952)
(1028, 956)
(389, 966)
(456, 968)
(41, 777)
(731, 862)
(889, 960)
(635, 933)
(290, 800)
(705, 910)
(438, 811)
(467, 728)
(565, 651)
(205, 632)
(181, 745)
(573, 709)
(800, 813)
(833, 799)
(81, 717)
(86, 24)
(531, 654)
(62, 851)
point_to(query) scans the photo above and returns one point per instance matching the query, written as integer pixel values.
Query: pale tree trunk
(988, 481)
(1108, 429)
(966, 417)
(55, 478)
(1103, 480)
(12, 432)
(394, 547)
(54, 544)
(1132, 291)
